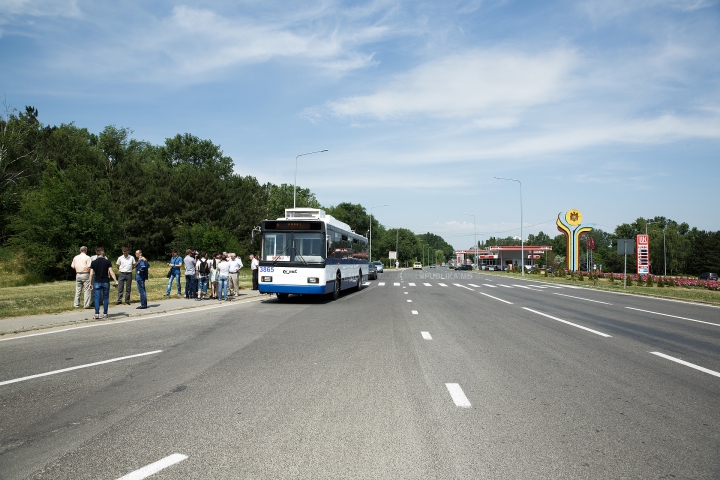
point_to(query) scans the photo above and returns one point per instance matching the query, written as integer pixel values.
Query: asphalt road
(426, 374)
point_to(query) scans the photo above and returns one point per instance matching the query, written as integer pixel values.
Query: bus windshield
(294, 247)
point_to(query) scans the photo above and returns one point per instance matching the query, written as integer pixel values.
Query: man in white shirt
(235, 266)
(254, 264)
(81, 265)
(125, 263)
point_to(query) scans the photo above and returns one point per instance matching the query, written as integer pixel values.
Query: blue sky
(608, 106)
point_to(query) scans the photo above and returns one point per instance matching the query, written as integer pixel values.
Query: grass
(701, 295)
(19, 297)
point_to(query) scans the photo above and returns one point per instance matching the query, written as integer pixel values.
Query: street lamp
(522, 240)
(371, 209)
(296, 159)
(475, 232)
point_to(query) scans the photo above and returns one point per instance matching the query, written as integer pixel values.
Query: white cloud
(609, 9)
(479, 82)
(39, 8)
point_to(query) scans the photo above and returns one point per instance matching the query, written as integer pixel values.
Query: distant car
(463, 267)
(708, 276)
(372, 271)
(417, 266)
(432, 265)
(378, 266)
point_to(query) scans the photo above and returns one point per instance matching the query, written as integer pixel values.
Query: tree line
(63, 186)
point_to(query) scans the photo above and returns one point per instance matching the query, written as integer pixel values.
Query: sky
(610, 107)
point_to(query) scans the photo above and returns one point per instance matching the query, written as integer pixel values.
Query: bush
(628, 279)
(661, 282)
(580, 276)
(611, 278)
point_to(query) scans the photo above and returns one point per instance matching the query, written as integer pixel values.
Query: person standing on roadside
(235, 266)
(214, 275)
(100, 273)
(175, 262)
(190, 287)
(254, 264)
(203, 271)
(125, 264)
(81, 265)
(142, 269)
(224, 271)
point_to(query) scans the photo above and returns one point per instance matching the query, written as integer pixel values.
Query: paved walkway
(79, 315)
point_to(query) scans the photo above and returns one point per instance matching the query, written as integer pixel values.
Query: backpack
(204, 267)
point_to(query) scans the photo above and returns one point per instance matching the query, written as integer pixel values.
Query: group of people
(93, 274)
(217, 272)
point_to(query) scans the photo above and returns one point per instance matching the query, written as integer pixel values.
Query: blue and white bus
(311, 253)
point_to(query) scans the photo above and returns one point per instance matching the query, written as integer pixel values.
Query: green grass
(690, 294)
(19, 298)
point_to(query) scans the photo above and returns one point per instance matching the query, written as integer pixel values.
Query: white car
(417, 266)
(378, 266)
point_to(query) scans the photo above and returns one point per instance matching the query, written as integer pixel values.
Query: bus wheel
(282, 297)
(359, 284)
(336, 291)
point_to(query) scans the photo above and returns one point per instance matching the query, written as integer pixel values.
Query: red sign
(642, 245)
(590, 243)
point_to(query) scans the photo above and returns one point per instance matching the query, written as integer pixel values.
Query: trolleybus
(310, 253)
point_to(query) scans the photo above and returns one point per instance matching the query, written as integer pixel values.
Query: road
(422, 374)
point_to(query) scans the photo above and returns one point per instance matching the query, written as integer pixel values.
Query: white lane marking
(442, 284)
(405, 293)
(381, 284)
(427, 284)
(458, 395)
(674, 316)
(488, 285)
(580, 298)
(426, 335)
(154, 468)
(500, 299)
(409, 301)
(396, 284)
(366, 284)
(473, 285)
(525, 286)
(502, 285)
(569, 323)
(463, 286)
(411, 284)
(687, 364)
(138, 319)
(7, 382)
(414, 312)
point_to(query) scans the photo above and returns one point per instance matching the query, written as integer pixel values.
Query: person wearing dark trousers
(125, 264)
(190, 285)
(100, 273)
(254, 264)
(141, 274)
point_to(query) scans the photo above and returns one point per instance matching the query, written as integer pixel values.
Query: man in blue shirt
(175, 262)
(141, 274)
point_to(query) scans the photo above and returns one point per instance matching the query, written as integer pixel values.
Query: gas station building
(502, 256)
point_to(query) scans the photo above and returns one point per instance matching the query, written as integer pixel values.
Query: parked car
(378, 266)
(417, 266)
(372, 271)
(708, 276)
(463, 267)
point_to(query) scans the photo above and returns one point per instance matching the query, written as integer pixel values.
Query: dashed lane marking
(414, 312)
(687, 364)
(409, 301)
(503, 285)
(442, 284)
(488, 285)
(458, 395)
(674, 316)
(427, 284)
(580, 298)
(396, 284)
(473, 285)
(426, 335)
(495, 298)
(411, 284)
(154, 468)
(381, 284)
(463, 286)
(568, 323)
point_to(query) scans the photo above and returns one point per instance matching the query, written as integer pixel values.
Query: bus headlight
(266, 279)
(313, 280)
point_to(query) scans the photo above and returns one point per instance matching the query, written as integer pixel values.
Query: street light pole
(522, 240)
(296, 159)
(475, 233)
(371, 217)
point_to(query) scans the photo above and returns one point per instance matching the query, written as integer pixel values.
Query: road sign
(626, 246)
(392, 256)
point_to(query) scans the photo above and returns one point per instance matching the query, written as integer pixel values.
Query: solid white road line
(491, 286)
(426, 335)
(396, 284)
(427, 284)
(153, 468)
(500, 299)
(381, 284)
(473, 285)
(7, 382)
(442, 284)
(411, 284)
(458, 395)
(580, 298)
(502, 285)
(569, 323)
(687, 364)
(463, 286)
(674, 316)
(414, 312)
